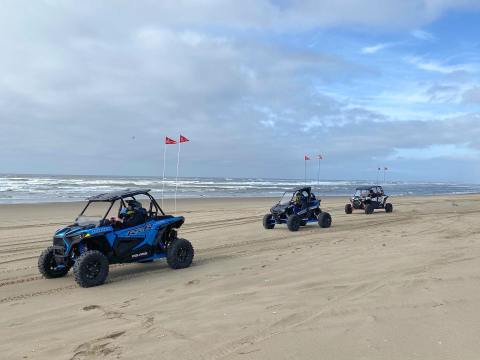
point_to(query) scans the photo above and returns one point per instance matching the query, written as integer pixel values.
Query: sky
(92, 87)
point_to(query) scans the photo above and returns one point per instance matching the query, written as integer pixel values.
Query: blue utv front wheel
(268, 222)
(294, 222)
(91, 269)
(48, 267)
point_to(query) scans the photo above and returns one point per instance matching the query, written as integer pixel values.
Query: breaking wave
(50, 188)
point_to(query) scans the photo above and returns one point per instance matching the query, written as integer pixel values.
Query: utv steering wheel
(105, 222)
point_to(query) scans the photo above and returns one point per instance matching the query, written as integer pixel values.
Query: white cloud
(412, 93)
(472, 95)
(434, 66)
(375, 48)
(268, 123)
(247, 14)
(94, 71)
(423, 35)
(446, 151)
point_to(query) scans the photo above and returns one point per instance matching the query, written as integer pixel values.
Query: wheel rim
(93, 269)
(53, 267)
(182, 254)
(52, 264)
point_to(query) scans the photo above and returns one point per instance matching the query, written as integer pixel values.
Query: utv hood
(70, 230)
(279, 209)
(75, 230)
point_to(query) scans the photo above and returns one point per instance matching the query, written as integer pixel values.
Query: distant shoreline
(50, 188)
(228, 199)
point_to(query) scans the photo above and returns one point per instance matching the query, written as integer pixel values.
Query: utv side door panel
(128, 239)
(124, 246)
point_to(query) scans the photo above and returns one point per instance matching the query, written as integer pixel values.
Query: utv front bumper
(60, 254)
(60, 251)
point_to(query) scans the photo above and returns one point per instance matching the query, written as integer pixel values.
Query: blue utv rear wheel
(180, 254)
(324, 220)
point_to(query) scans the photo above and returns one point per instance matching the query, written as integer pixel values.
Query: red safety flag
(183, 139)
(306, 157)
(169, 141)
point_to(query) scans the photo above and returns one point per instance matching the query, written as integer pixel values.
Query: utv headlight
(76, 238)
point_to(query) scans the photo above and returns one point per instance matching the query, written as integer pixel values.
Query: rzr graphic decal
(139, 230)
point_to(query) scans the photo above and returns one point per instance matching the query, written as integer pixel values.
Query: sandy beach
(400, 286)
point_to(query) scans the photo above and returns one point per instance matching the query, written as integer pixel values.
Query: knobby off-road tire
(267, 221)
(369, 209)
(348, 209)
(91, 269)
(324, 220)
(47, 265)
(180, 254)
(388, 207)
(294, 222)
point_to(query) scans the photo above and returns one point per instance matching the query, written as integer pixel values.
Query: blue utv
(297, 208)
(95, 241)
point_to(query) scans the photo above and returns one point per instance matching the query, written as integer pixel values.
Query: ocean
(55, 188)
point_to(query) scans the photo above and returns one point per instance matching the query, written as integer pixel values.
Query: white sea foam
(31, 189)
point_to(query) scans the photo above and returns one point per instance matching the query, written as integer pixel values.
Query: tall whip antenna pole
(320, 158)
(163, 178)
(305, 171)
(176, 179)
